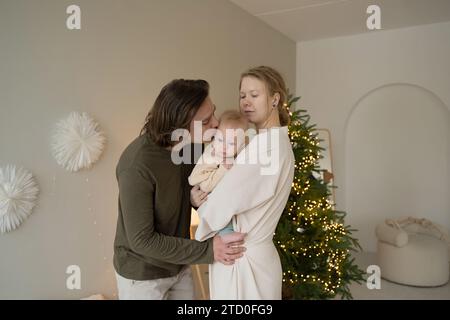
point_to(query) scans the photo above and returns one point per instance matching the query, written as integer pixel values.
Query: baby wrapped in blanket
(220, 154)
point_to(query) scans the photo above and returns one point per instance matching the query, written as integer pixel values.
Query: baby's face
(228, 140)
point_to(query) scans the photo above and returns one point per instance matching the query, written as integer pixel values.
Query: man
(152, 249)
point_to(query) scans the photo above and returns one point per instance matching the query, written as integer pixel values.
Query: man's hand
(198, 196)
(229, 247)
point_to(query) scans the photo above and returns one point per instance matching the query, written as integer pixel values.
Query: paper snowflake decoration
(77, 142)
(18, 196)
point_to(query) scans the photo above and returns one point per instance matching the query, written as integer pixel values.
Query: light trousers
(179, 287)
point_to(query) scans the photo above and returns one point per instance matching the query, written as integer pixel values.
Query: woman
(251, 195)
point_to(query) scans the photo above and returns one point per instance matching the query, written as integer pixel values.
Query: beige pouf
(422, 260)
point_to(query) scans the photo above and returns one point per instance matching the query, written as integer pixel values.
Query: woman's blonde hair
(275, 84)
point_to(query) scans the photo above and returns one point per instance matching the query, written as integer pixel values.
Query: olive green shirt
(153, 227)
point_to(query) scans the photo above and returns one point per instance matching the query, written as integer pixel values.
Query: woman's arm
(243, 188)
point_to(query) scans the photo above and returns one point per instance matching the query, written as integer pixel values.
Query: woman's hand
(198, 196)
(229, 247)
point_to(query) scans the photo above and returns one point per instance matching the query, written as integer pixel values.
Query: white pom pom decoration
(18, 196)
(77, 142)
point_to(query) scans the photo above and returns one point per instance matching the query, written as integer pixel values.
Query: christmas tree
(313, 243)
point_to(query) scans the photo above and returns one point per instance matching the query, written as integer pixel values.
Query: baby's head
(230, 135)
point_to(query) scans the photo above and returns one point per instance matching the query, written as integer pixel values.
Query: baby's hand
(198, 197)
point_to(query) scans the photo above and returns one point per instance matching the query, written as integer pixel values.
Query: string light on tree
(311, 238)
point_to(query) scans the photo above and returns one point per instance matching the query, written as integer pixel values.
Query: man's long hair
(174, 109)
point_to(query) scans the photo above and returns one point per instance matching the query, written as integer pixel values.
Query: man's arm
(136, 194)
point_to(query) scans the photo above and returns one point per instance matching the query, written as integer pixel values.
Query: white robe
(254, 200)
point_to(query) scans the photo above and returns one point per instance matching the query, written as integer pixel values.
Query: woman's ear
(276, 99)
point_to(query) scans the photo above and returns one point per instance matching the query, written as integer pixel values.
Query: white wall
(385, 97)
(112, 68)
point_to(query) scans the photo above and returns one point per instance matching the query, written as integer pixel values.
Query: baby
(219, 155)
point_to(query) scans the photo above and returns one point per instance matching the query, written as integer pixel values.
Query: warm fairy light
(310, 214)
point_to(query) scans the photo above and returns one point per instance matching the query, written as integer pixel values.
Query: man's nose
(214, 122)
